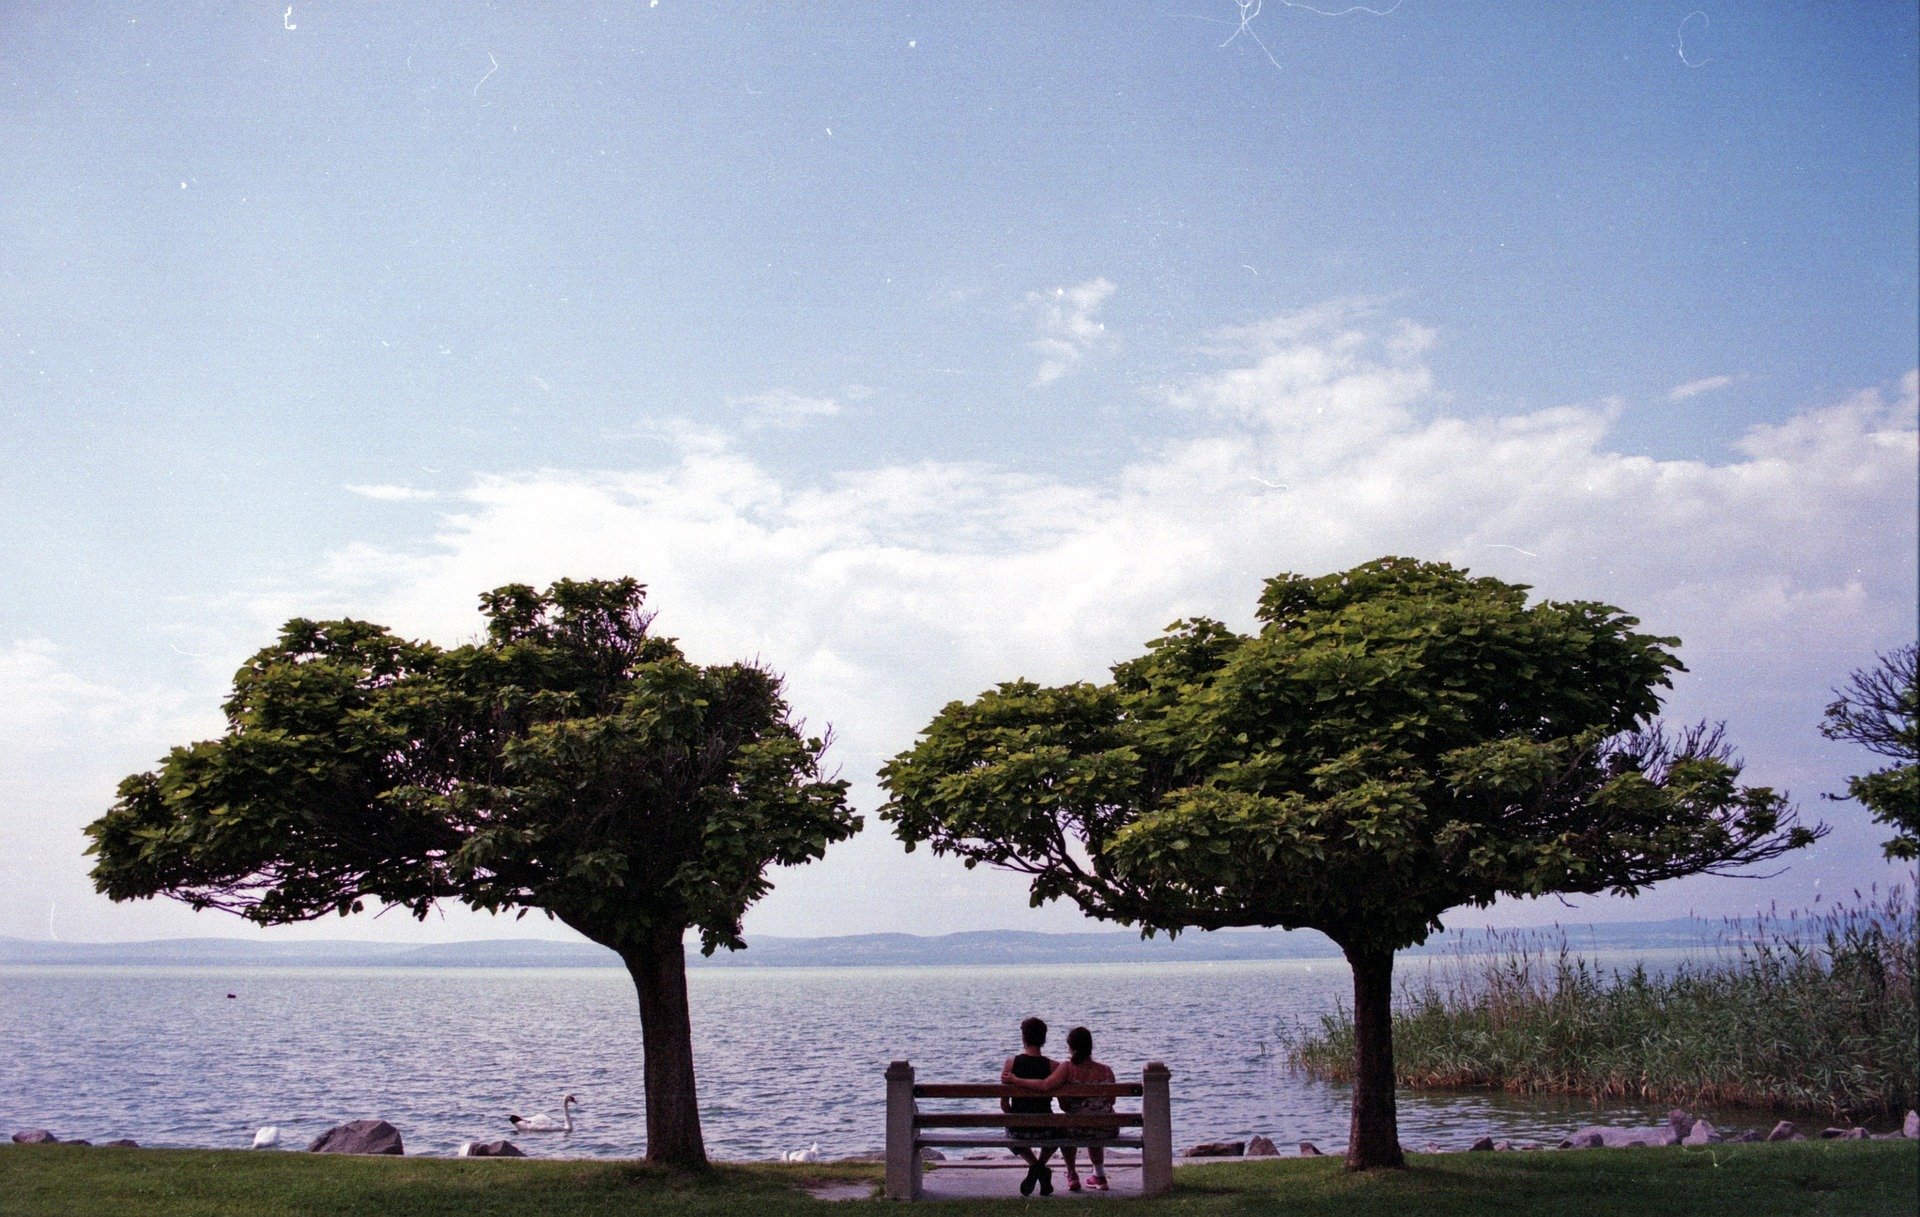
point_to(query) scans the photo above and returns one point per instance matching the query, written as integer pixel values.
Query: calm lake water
(786, 1057)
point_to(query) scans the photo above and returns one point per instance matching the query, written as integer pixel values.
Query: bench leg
(903, 1161)
(1156, 1131)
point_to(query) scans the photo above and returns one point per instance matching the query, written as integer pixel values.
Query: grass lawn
(1854, 1178)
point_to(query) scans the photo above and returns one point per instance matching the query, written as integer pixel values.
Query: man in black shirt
(1033, 1064)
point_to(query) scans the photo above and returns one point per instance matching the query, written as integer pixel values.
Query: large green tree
(1880, 710)
(1394, 741)
(570, 762)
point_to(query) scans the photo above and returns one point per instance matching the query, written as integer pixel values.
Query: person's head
(1033, 1032)
(1080, 1045)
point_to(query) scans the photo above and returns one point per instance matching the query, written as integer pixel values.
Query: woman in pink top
(1078, 1069)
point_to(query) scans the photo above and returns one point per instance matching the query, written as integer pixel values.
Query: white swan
(267, 1137)
(544, 1122)
(811, 1154)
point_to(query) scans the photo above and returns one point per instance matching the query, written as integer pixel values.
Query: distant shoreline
(975, 948)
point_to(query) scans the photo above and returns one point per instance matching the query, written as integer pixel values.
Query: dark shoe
(1026, 1185)
(1046, 1180)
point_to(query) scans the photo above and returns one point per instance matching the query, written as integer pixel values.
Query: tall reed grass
(1807, 1013)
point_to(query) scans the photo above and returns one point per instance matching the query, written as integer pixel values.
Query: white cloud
(66, 738)
(1070, 334)
(391, 494)
(1694, 388)
(38, 695)
(785, 409)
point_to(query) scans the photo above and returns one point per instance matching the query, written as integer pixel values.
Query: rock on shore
(1602, 1137)
(359, 1137)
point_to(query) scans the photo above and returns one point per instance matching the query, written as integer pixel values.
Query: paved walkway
(987, 1180)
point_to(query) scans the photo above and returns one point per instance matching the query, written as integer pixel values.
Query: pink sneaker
(1073, 1180)
(1097, 1183)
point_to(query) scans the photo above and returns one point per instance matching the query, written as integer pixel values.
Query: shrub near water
(1805, 1014)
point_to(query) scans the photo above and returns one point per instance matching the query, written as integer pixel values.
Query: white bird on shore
(267, 1137)
(544, 1122)
(811, 1154)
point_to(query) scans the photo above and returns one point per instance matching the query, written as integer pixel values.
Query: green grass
(1813, 1016)
(1859, 1179)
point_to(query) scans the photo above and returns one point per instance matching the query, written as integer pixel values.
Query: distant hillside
(855, 950)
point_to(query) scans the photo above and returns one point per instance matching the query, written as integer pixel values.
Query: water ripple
(786, 1057)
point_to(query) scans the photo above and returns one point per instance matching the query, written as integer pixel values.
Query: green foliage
(1880, 710)
(1815, 1015)
(1394, 741)
(570, 762)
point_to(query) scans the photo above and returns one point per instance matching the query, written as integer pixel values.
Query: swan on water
(810, 1154)
(544, 1122)
(267, 1137)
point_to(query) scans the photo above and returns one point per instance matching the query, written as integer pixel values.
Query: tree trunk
(659, 971)
(1374, 1138)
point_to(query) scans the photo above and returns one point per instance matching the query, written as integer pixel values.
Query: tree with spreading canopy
(570, 762)
(1880, 710)
(1393, 742)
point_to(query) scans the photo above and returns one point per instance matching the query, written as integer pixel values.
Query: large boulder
(35, 1136)
(1309, 1150)
(1483, 1146)
(1843, 1134)
(359, 1137)
(1700, 1133)
(1681, 1122)
(1217, 1149)
(1911, 1127)
(1785, 1130)
(491, 1149)
(1261, 1147)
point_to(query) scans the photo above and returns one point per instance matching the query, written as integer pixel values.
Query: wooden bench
(910, 1130)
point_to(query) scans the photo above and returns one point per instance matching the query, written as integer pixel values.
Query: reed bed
(1804, 1013)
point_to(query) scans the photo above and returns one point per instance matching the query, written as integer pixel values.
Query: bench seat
(1024, 1143)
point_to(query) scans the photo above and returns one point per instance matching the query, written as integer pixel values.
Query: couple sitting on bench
(1033, 1070)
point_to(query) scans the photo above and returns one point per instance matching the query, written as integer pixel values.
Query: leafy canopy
(571, 761)
(1880, 710)
(1394, 741)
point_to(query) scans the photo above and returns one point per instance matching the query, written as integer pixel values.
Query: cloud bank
(1317, 440)
(1322, 441)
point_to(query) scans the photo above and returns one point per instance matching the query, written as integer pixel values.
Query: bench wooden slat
(1022, 1119)
(1023, 1143)
(983, 1090)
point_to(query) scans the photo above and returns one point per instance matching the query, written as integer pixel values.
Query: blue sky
(915, 350)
